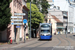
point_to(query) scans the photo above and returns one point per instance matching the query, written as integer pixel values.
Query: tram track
(69, 43)
(57, 44)
(60, 42)
(39, 45)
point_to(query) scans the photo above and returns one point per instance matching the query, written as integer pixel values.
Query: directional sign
(16, 16)
(16, 20)
(17, 26)
(19, 14)
(24, 21)
(16, 23)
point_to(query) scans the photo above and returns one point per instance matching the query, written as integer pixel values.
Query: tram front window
(45, 26)
(45, 31)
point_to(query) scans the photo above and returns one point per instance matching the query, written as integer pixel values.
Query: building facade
(57, 19)
(57, 25)
(13, 33)
(65, 19)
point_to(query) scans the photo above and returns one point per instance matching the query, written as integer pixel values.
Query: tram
(45, 31)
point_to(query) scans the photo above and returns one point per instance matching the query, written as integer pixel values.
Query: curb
(23, 44)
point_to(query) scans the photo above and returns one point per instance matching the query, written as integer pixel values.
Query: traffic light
(25, 26)
(66, 28)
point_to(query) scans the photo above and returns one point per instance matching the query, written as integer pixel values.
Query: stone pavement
(5, 46)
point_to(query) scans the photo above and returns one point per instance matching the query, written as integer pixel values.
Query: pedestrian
(27, 36)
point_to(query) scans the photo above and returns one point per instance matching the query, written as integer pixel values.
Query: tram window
(45, 31)
(45, 26)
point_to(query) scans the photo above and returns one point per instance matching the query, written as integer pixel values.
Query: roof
(56, 19)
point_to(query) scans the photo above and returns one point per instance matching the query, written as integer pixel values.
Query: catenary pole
(30, 20)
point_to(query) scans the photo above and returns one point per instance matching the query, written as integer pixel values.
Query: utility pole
(24, 31)
(30, 20)
(24, 21)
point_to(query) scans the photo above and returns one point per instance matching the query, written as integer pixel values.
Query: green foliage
(36, 16)
(44, 4)
(4, 14)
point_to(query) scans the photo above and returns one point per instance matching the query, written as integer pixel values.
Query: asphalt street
(58, 42)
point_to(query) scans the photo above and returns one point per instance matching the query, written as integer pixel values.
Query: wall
(54, 25)
(3, 35)
(57, 13)
(16, 7)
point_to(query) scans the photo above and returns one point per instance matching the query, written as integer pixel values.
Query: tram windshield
(45, 31)
(45, 26)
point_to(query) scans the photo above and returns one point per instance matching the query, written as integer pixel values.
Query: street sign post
(24, 21)
(17, 20)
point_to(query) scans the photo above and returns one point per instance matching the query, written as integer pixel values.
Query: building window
(58, 8)
(54, 6)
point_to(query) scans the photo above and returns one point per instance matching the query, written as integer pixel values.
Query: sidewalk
(5, 46)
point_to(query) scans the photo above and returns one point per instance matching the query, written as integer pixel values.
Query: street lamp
(30, 19)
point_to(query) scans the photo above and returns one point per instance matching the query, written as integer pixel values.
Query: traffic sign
(19, 14)
(17, 26)
(24, 21)
(16, 16)
(16, 23)
(16, 20)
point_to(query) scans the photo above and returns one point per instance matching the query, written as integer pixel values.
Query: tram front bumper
(45, 37)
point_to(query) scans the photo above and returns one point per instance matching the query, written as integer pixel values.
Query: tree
(44, 4)
(4, 14)
(36, 16)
